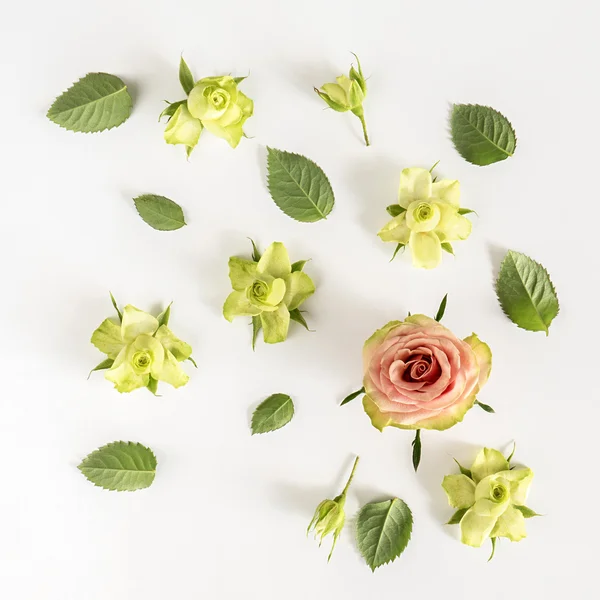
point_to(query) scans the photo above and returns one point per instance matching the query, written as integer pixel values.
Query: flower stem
(345, 490)
(364, 128)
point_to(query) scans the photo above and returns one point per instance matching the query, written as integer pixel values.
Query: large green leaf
(120, 466)
(526, 293)
(273, 413)
(160, 212)
(96, 102)
(383, 531)
(481, 135)
(298, 186)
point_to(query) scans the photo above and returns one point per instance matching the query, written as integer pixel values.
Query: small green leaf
(120, 466)
(171, 108)
(107, 363)
(456, 518)
(96, 102)
(493, 540)
(481, 135)
(442, 309)
(395, 209)
(165, 315)
(152, 385)
(298, 265)
(298, 186)
(398, 248)
(273, 413)
(256, 327)
(159, 212)
(416, 453)
(464, 471)
(527, 512)
(353, 395)
(255, 252)
(383, 530)
(192, 361)
(185, 76)
(296, 315)
(114, 303)
(485, 407)
(466, 211)
(447, 246)
(526, 293)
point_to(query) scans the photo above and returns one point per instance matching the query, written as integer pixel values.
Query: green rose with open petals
(269, 290)
(490, 499)
(141, 351)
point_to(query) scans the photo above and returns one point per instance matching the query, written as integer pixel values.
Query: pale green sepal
(275, 261)
(299, 286)
(237, 305)
(107, 363)
(137, 322)
(171, 108)
(527, 512)
(256, 327)
(185, 76)
(164, 316)
(460, 490)
(275, 324)
(511, 525)
(456, 518)
(488, 462)
(296, 315)
(107, 338)
(178, 348)
(329, 101)
(114, 303)
(152, 385)
(475, 529)
(192, 361)
(242, 273)
(299, 265)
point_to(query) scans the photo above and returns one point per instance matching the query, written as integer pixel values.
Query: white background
(227, 513)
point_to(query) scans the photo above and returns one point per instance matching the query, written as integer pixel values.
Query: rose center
(142, 361)
(499, 493)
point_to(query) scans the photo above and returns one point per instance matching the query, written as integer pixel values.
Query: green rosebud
(490, 499)
(347, 94)
(267, 289)
(329, 517)
(184, 129)
(221, 107)
(141, 351)
(430, 217)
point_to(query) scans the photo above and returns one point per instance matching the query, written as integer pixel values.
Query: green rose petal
(171, 372)
(241, 273)
(178, 348)
(237, 304)
(460, 490)
(511, 525)
(299, 286)
(275, 324)
(488, 462)
(137, 322)
(275, 261)
(475, 528)
(107, 338)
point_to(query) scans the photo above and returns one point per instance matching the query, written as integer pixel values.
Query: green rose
(184, 129)
(490, 499)
(268, 290)
(141, 351)
(221, 107)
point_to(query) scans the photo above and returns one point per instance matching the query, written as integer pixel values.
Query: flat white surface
(226, 515)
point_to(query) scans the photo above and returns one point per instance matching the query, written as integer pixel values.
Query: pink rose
(419, 375)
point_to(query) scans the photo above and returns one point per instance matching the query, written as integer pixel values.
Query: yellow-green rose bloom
(429, 218)
(490, 499)
(269, 289)
(141, 351)
(221, 107)
(184, 129)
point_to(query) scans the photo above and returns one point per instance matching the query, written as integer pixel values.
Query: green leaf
(526, 293)
(442, 309)
(416, 453)
(466, 211)
(485, 407)
(383, 531)
(464, 471)
(165, 315)
(159, 212)
(185, 77)
(114, 303)
(255, 252)
(96, 102)
(481, 135)
(171, 108)
(456, 518)
(298, 265)
(152, 385)
(298, 186)
(120, 466)
(527, 512)
(398, 248)
(256, 327)
(353, 395)
(395, 209)
(273, 413)
(296, 315)
(107, 363)
(447, 246)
